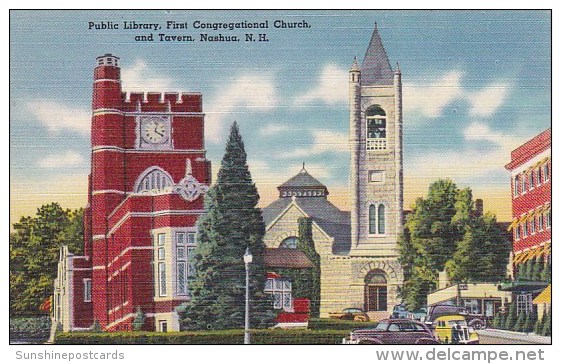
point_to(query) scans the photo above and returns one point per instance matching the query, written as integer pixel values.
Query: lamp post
(247, 258)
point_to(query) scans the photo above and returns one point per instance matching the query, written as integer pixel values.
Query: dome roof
(303, 184)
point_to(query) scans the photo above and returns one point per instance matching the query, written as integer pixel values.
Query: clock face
(154, 131)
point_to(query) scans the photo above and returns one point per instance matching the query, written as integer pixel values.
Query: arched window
(381, 219)
(375, 291)
(372, 219)
(375, 128)
(153, 180)
(289, 243)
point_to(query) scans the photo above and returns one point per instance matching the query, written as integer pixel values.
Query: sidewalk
(512, 337)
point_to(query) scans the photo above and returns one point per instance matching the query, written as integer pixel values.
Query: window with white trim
(532, 225)
(546, 172)
(524, 303)
(185, 268)
(376, 176)
(525, 229)
(87, 289)
(516, 185)
(547, 217)
(162, 278)
(524, 184)
(154, 180)
(539, 176)
(281, 290)
(517, 233)
(377, 219)
(531, 176)
(539, 222)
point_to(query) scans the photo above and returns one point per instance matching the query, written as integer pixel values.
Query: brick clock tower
(148, 174)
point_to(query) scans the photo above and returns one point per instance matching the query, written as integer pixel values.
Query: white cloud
(488, 100)
(246, 93)
(323, 141)
(332, 88)
(141, 78)
(272, 129)
(64, 160)
(58, 116)
(430, 100)
(469, 162)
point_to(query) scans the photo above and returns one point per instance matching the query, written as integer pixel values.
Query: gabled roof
(334, 222)
(376, 69)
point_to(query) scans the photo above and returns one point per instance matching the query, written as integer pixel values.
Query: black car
(393, 331)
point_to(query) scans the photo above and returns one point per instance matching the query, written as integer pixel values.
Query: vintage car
(453, 329)
(393, 331)
(352, 313)
(399, 311)
(478, 322)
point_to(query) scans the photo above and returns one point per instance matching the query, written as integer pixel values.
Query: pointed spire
(303, 170)
(397, 69)
(355, 67)
(376, 69)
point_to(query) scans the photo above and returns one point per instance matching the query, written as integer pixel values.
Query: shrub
(334, 324)
(30, 328)
(264, 336)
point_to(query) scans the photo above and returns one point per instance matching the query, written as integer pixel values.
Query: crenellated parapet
(162, 102)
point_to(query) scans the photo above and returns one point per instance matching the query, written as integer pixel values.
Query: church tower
(375, 99)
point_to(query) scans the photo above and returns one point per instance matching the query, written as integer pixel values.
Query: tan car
(352, 313)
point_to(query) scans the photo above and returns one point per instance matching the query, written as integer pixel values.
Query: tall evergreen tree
(232, 224)
(306, 244)
(510, 320)
(538, 268)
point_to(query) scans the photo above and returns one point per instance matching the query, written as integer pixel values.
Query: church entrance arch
(375, 291)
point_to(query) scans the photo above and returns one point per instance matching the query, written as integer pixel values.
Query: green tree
(546, 323)
(510, 320)
(546, 273)
(445, 232)
(538, 268)
(498, 320)
(530, 321)
(34, 254)
(232, 224)
(306, 244)
(520, 320)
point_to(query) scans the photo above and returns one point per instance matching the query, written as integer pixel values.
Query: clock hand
(160, 134)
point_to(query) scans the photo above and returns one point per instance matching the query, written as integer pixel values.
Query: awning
(532, 253)
(522, 286)
(514, 224)
(544, 297)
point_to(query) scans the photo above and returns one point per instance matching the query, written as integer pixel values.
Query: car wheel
(477, 324)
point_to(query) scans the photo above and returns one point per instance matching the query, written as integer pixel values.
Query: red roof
(286, 258)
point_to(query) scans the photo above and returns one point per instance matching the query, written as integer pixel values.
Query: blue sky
(476, 85)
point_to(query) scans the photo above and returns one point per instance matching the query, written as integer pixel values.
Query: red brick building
(530, 169)
(148, 174)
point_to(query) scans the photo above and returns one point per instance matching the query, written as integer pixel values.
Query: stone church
(358, 249)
